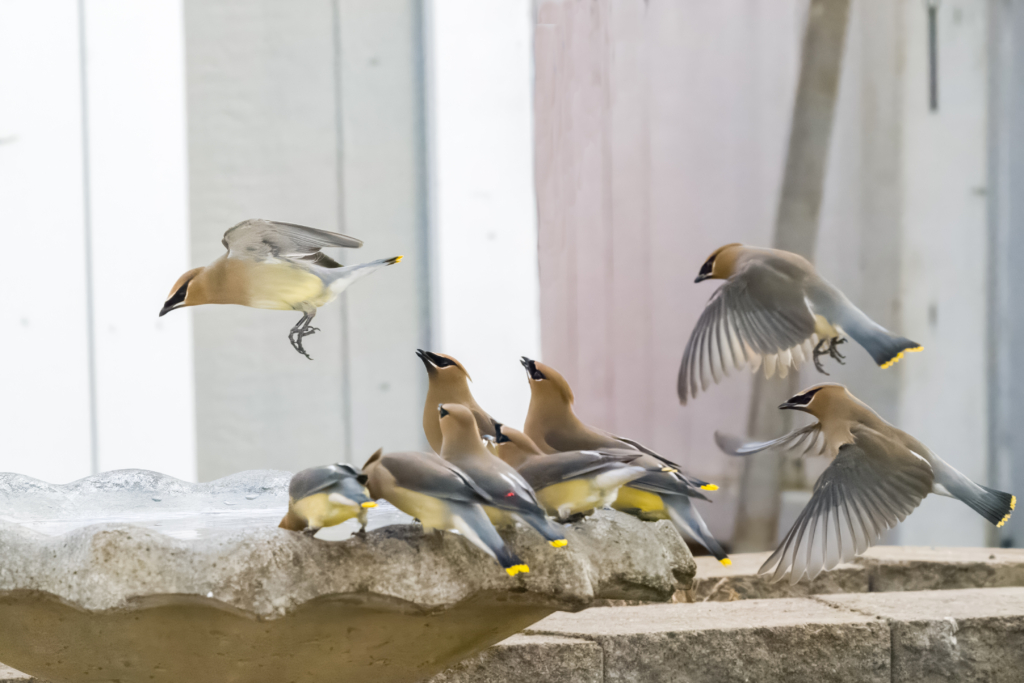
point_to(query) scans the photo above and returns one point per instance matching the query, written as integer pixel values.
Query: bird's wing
(507, 488)
(545, 470)
(655, 460)
(314, 480)
(810, 440)
(432, 476)
(872, 485)
(260, 240)
(758, 315)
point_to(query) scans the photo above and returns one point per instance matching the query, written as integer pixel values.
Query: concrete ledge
(537, 659)
(792, 640)
(880, 569)
(717, 583)
(951, 635)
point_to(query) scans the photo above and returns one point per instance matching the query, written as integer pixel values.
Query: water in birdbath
(170, 506)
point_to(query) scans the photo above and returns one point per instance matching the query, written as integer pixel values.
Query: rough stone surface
(970, 635)
(895, 568)
(792, 640)
(537, 659)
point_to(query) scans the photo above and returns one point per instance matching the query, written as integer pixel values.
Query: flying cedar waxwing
(774, 308)
(878, 475)
(278, 266)
(448, 383)
(662, 492)
(440, 496)
(512, 498)
(326, 496)
(569, 483)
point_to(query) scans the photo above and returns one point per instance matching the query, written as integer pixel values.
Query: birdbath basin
(136, 576)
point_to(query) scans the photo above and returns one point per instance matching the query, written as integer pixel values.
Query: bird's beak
(167, 309)
(702, 277)
(789, 405)
(425, 358)
(441, 411)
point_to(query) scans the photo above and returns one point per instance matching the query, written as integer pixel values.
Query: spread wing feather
(871, 486)
(758, 315)
(260, 240)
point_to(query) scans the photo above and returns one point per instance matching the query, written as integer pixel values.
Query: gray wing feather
(871, 486)
(429, 474)
(809, 438)
(551, 469)
(259, 240)
(758, 313)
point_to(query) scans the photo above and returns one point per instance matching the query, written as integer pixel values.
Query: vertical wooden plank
(45, 403)
(384, 190)
(945, 260)
(263, 142)
(484, 218)
(139, 226)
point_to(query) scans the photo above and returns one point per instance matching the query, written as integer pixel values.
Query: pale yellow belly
(824, 329)
(644, 504)
(570, 497)
(433, 513)
(280, 286)
(321, 512)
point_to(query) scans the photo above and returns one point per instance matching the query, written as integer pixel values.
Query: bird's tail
(688, 522)
(885, 347)
(546, 529)
(474, 525)
(995, 506)
(341, 278)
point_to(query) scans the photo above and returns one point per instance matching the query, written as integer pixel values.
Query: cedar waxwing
(775, 308)
(878, 475)
(448, 383)
(440, 496)
(277, 266)
(513, 499)
(325, 496)
(662, 492)
(569, 483)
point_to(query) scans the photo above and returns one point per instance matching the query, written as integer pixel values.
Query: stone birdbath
(134, 576)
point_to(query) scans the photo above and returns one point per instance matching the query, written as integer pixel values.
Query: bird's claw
(828, 346)
(296, 335)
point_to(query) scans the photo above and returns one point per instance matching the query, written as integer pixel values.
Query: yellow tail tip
(398, 259)
(517, 569)
(726, 561)
(895, 359)
(709, 487)
(369, 504)
(559, 543)
(1013, 502)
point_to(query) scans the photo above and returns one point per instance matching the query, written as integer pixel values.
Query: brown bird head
(459, 432)
(183, 293)
(369, 469)
(827, 401)
(721, 263)
(512, 446)
(443, 369)
(546, 383)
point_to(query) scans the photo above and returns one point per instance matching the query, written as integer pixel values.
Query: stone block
(537, 659)
(791, 640)
(969, 636)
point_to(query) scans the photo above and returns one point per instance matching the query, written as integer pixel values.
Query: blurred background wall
(555, 173)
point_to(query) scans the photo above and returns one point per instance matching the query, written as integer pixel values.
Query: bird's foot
(296, 335)
(361, 533)
(576, 518)
(834, 352)
(829, 346)
(309, 531)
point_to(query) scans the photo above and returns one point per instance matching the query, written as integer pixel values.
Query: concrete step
(968, 635)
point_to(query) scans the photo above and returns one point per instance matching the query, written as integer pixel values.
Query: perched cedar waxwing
(325, 496)
(774, 308)
(878, 475)
(276, 266)
(662, 492)
(568, 483)
(440, 496)
(512, 498)
(448, 383)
